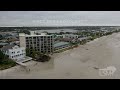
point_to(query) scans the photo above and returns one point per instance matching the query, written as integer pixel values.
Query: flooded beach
(77, 63)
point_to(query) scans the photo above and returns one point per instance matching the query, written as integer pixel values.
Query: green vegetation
(83, 42)
(41, 57)
(5, 62)
(24, 31)
(1, 37)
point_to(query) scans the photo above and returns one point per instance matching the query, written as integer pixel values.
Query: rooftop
(3, 43)
(7, 47)
(42, 34)
(60, 44)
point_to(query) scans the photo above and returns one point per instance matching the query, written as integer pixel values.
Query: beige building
(42, 42)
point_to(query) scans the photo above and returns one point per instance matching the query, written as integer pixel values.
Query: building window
(41, 39)
(27, 40)
(38, 40)
(48, 51)
(34, 37)
(38, 45)
(26, 37)
(30, 37)
(31, 48)
(27, 43)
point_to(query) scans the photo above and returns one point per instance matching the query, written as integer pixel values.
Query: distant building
(59, 36)
(69, 36)
(84, 38)
(3, 43)
(61, 45)
(65, 39)
(57, 31)
(42, 43)
(14, 52)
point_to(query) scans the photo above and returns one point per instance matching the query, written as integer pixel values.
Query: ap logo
(109, 71)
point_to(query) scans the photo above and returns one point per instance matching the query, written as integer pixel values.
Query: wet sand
(77, 63)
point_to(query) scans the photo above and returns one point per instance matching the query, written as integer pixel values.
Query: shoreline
(74, 63)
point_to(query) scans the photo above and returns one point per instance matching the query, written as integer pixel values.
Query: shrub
(7, 63)
(43, 58)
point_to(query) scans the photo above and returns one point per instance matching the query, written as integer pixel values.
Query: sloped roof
(7, 47)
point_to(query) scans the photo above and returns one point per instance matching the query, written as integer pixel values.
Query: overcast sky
(59, 18)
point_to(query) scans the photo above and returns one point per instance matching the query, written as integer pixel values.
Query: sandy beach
(77, 63)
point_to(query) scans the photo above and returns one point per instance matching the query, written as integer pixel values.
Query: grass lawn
(5, 64)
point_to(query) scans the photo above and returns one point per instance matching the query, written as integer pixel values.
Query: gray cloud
(58, 18)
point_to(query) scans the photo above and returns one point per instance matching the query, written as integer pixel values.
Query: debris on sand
(96, 68)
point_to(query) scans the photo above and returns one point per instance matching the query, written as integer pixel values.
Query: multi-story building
(14, 52)
(42, 43)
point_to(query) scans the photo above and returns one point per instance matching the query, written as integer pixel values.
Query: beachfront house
(15, 52)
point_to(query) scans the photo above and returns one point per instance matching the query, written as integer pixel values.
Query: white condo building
(14, 52)
(39, 42)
